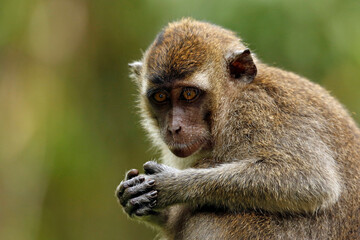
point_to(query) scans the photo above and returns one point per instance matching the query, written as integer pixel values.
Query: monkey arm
(271, 185)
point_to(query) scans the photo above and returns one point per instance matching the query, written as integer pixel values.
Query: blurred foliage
(68, 123)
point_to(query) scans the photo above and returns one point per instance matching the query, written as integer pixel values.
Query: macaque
(248, 151)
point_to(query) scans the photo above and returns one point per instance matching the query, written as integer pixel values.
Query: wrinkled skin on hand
(138, 193)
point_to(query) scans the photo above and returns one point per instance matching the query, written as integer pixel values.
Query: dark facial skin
(182, 112)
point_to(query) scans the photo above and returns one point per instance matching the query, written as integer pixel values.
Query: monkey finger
(144, 199)
(136, 190)
(141, 201)
(133, 181)
(144, 211)
(128, 183)
(130, 208)
(132, 173)
(152, 167)
(119, 190)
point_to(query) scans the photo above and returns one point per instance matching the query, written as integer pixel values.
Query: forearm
(252, 184)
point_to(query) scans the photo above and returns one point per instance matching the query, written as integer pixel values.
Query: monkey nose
(174, 129)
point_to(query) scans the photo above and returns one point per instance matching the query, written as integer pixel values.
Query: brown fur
(184, 47)
(285, 162)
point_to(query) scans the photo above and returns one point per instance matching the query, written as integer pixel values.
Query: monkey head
(182, 75)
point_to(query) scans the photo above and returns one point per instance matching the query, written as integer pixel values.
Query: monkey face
(181, 77)
(183, 117)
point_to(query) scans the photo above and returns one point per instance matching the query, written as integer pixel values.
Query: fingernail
(153, 204)
(153, 193)
(151, 182)
(139, 214)
(134, 203)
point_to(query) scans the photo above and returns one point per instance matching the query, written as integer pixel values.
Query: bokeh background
(68, 123)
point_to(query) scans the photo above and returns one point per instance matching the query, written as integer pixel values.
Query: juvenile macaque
(249, 151)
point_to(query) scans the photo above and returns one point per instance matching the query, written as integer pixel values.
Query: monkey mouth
(185, 150)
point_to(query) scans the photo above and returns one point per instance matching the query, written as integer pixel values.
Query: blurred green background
(68, 123)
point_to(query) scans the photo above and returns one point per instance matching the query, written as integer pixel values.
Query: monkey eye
(190, 94)
(160, 97)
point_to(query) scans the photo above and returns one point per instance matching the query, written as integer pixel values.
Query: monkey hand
(136, 194)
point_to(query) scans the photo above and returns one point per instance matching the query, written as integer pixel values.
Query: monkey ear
(242, 66)
(135, 69)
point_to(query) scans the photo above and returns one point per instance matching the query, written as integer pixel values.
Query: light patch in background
(56, 29)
